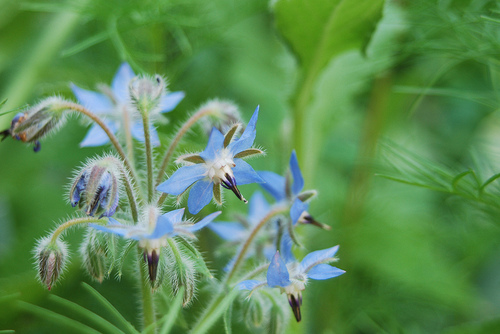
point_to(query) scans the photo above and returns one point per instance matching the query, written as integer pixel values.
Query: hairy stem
(129, 188)
(243, 250)
(149, 154)
(78, 108)
(74, 222)
(182, 131)
(148, 310)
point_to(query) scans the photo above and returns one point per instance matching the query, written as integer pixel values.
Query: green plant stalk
(149, 154)
(129, 189)
(60, 229)
(111, 136)
(43, 52)
(129, 144)
(148, 309)
(173, 144)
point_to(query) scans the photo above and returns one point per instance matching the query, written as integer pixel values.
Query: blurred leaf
(196, 256)
(214, 311)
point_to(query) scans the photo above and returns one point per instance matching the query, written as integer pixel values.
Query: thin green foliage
(214, 311)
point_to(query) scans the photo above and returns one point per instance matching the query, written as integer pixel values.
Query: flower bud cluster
(50, 260)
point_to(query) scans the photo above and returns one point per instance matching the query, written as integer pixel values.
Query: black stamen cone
(310, 220)
(295, 305)
(153, 259)
(5, 134)
(230, 183)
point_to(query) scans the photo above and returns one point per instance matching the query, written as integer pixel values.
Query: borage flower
(153, 231)
(288, 189)
(220, 164)
(291, 278)
(113, 104)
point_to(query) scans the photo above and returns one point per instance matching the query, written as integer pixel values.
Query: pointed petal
(258, 208)
(121, 82)
(204, 222)
(214, 145)
(314, 258)
(274, 184)
(248, 137)
(200, 195)
(245, 174)
(230, 231)
(170, 101)
(174, 216)
(96, 135)
(286, 247)
(96, 102)
(298, 180)
(324, 271)
(183, 178)
(277, 274)
(137, 130)
(249, 284)
(163, 226)
(296, 210)
(113, 227)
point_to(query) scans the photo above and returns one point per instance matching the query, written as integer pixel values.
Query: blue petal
(244, 173)
(277, 274)
(121, 82)
(174, 216)
(296, 210)
(163, 226)
(248, 137)
(137, 130)
(200, 195)
(215, 144)
(96, 135)
(324, 271)
(204, 222)
(183, 178)
(230, 231)
(275, 184)
(249, 284)
(170, 101)
(286, 247)
(298, 180)
(113, 227)
(258, 208)
(315, 258)
(96, 102)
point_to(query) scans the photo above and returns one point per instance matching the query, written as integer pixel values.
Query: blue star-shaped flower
(220, 164)
(289, 189)
(116, 110)
(291, 277)
(152, 236)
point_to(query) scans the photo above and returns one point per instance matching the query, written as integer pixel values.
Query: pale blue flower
(152, 234)
(220, 164)
(291, 277)
(114, 107)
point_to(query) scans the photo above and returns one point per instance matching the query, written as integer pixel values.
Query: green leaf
(227, 319)
(91, 316)
(214, 311)
(173, 312)
(105, 303)
(59, 319)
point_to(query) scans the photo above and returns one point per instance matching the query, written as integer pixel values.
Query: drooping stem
(149, 154)
(244, 248)
(148, 310)
(182, 131)
(78, 108)
(60, 229)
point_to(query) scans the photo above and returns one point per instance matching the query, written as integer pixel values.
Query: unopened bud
(146, 92)
(50, 260)
(223, 115)
(38, 121)
(96, 188)
(96, 255)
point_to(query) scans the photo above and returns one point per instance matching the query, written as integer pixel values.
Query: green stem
(60, 229)
(148, 310)
(129, 144)
(112, 137)
(128, 187)
(251, 236)
(182, 131)
(149, 154)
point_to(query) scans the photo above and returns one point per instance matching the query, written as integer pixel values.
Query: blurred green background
(392, 107)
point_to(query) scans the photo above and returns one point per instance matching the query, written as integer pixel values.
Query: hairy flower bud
(96, 254)
(38, 121)
(223, 115)
(96, 187)
(146, 92)
(50, 260)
